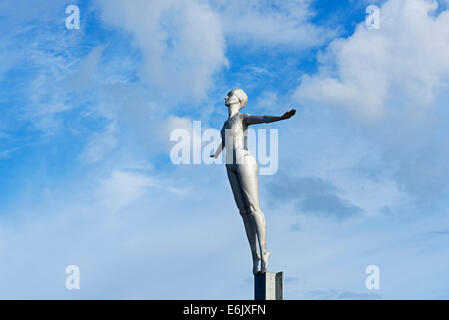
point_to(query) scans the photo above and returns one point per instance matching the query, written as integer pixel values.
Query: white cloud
(271, 23)
(393, 84)
(122, 188)
(182, 42)
(373, 73)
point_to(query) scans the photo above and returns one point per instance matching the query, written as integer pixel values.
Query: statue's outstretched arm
(250, 119)
(219, 149)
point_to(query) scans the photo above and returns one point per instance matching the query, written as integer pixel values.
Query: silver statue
(242, 169)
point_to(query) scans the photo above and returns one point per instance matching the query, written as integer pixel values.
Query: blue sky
(85, 174)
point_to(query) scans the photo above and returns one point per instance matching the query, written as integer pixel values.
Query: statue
(242, 171)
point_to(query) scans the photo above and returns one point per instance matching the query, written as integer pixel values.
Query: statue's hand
(289, 114)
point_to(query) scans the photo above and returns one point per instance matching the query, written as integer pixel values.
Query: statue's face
(231, 98)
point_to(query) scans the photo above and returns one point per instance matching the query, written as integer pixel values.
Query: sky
(85, 171)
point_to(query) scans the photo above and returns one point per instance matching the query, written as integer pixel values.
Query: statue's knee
(253, 209)
(243, 212)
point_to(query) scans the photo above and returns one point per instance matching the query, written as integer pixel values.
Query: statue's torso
(234, 133)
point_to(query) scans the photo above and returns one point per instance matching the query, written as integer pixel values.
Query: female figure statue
(242, 169)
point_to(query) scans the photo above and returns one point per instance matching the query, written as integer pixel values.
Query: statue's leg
(247, 174)
(247, 219)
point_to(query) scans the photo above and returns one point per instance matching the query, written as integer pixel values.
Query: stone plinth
(269, 286)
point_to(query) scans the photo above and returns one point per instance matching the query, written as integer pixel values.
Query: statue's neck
(233, 109)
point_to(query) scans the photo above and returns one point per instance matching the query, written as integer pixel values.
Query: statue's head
(236, 96)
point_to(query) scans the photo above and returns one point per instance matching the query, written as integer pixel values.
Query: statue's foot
(264, 264)
(256, 261)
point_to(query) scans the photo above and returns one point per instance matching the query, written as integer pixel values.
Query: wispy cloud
(5, 154)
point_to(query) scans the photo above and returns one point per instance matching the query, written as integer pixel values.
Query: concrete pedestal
(269, 286)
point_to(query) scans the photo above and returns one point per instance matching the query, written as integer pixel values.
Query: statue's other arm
(250, 119)
(219, 149)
